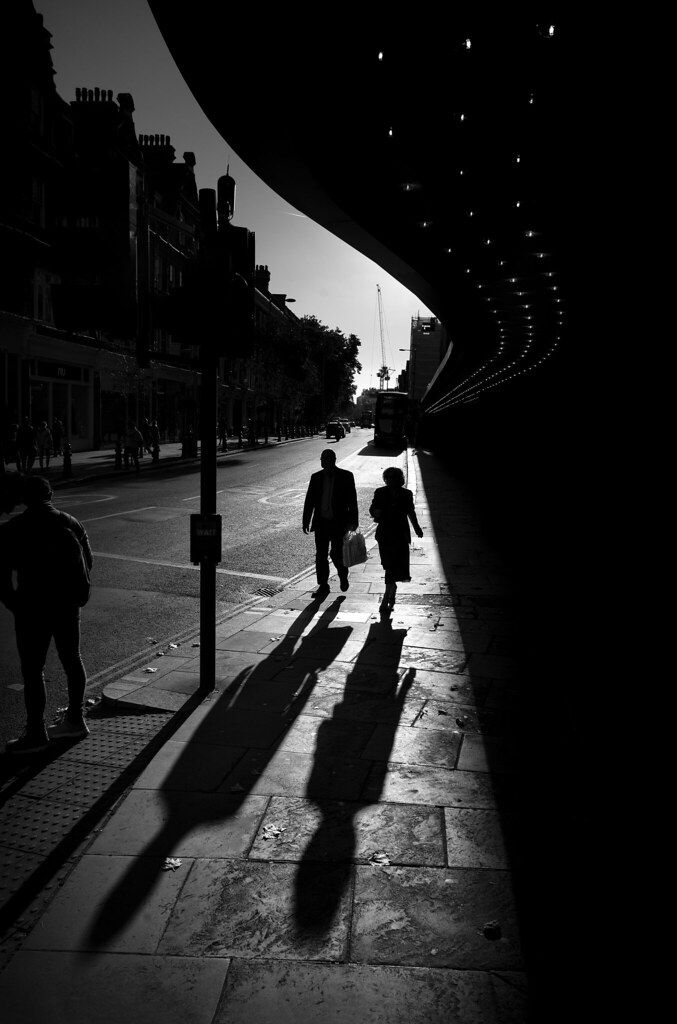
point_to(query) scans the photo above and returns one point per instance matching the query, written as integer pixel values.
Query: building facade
(429, 343)
(97, 228)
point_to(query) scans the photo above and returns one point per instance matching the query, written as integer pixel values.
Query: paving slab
(488, 754)
(414, 746)
(189, 767)
(297, 829)
(110, 988)
(172, 824)
(287, 772)
(358, 706)
(431, 917)
(310, 993)
(329, 738)
(231, 727)
(466, 689)
(116, 904)
(479, 838)
(409, 784)
(251, 909)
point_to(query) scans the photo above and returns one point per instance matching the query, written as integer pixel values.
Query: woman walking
(392, 508)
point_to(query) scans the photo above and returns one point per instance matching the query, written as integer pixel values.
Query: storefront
(66, 391)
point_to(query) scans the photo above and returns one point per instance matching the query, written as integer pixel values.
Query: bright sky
(116, 44)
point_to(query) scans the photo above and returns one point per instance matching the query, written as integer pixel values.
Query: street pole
(207, 508)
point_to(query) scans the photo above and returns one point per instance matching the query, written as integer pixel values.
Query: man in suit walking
(330, 509)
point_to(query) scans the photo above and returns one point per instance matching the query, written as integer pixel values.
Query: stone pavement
(332, 835)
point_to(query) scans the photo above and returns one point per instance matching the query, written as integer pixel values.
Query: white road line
(179, 565)
(89, 498)
(112, 515)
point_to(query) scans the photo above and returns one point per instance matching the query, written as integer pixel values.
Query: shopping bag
(354, 548)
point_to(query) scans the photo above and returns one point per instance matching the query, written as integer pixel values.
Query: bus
(390, 418)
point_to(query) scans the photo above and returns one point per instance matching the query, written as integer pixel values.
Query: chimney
(96, 94)
(126, 102)
(262, 279)
(189, 159)
(90, 95)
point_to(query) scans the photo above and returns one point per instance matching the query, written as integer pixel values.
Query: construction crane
(384, 373)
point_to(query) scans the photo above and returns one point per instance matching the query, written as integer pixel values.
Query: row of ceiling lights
(466, 390)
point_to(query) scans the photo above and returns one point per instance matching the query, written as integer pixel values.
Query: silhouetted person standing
(330, 510)
(57, 435)
(50, 552)
(44, 442)
(133, 442)
(26, 446)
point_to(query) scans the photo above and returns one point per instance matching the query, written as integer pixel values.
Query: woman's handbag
(354, 549)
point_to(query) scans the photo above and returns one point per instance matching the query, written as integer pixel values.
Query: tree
(333, 362)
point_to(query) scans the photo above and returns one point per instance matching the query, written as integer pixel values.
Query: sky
(116, 44)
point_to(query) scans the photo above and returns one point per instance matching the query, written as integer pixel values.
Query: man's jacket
(343, 501)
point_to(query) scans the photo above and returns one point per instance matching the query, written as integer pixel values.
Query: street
(143, 585)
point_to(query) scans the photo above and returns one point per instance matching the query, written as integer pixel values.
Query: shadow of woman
(253, 703)
(379, 695)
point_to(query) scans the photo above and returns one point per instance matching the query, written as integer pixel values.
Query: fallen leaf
(237, 788)
(150, 670)
(194, 645)
(159, 654)
(174, 646)
(171, 863)
(273, 831)
(379, 858)
(434, 952)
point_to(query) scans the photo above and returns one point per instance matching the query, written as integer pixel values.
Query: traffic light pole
(207, 508)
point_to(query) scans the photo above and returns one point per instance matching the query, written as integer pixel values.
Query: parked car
(346, 425)
(335, 429)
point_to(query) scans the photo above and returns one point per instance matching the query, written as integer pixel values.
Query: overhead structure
(449, 155)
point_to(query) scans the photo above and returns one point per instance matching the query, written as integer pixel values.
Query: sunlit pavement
(333, 834)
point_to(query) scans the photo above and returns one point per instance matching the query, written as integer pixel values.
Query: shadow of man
(253, 703)
(374, 690)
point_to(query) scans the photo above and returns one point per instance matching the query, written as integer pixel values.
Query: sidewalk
(329, 836)
(99, 463)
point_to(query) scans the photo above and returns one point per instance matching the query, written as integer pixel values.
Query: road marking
(179, 565)
(247, 492)
(88, 498)
(112, 515)
(292, 495)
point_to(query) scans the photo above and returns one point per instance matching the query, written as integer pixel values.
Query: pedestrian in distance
(11, 453)
(50, 553)
(133, 441)
(155, 440)
(392, 508)
(330, 509)
(44, 441)
(146, 437)
(57, 436)
(26, 446)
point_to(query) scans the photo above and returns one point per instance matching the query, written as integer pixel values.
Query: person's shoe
(344, 582)
(28, 744)
(322, 590)
(67, 730)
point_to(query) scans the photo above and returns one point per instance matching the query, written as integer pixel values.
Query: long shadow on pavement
(247, 722)
(335, 836)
